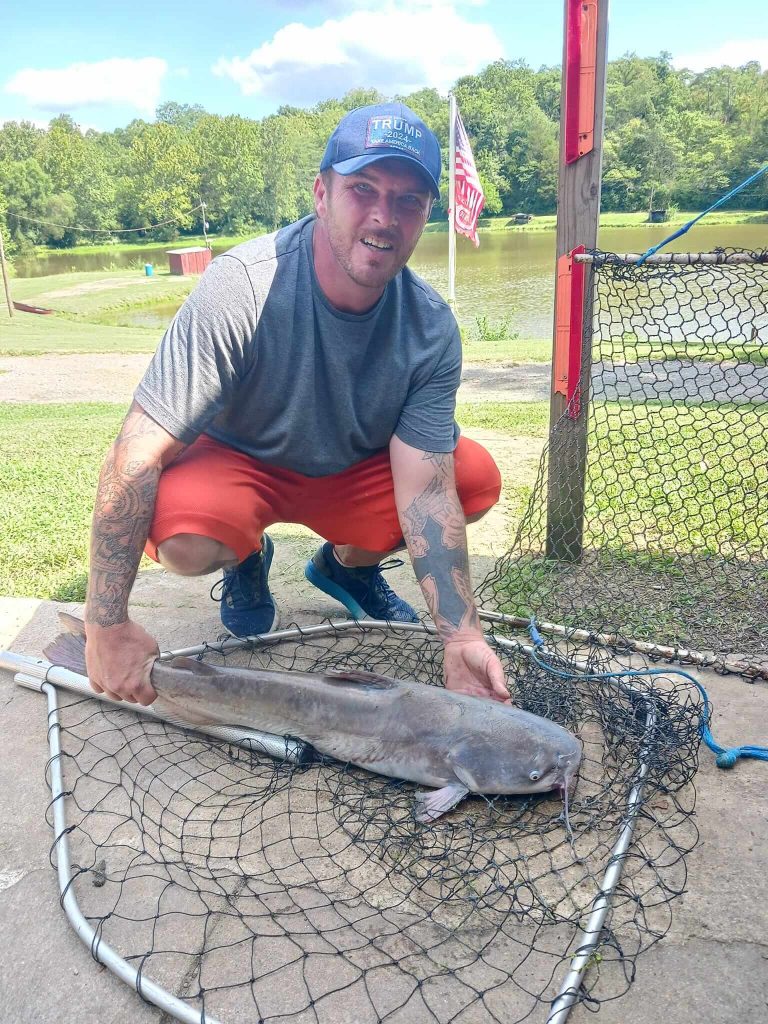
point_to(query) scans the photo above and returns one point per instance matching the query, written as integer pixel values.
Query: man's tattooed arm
(125, 504)
(435, 533)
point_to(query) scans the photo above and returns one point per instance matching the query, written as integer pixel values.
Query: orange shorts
(216, 491)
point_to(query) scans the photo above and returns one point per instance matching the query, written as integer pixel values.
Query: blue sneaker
(247, 607)
(363, 590)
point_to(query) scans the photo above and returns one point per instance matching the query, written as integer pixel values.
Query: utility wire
(103, 231)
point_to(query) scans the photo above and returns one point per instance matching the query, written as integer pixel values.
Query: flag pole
(452, 202)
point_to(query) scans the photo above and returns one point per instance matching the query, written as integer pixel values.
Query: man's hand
(119, 660)
(471, 667)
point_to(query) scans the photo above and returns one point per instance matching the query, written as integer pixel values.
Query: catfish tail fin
(68, 649)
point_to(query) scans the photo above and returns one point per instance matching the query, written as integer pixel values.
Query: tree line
(672, 138)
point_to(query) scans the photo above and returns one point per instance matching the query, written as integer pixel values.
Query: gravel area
(71, 378)
(112, 378)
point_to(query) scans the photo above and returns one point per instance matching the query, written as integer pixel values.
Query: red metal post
(581, 58)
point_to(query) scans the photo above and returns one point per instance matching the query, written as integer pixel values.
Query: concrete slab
(711, 966)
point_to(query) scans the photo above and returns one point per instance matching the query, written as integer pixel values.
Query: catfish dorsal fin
(360, 677)
(68, 651)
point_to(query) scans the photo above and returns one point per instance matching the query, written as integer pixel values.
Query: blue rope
(726, 756)
(714, 206)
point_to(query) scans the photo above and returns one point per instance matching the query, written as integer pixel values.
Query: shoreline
(544, 222)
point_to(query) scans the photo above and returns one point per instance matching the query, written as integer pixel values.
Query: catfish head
(540, 762)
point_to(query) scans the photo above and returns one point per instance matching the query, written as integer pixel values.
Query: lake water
(510, 276)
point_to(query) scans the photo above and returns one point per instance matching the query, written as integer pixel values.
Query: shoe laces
(235, 587)
(378, 585)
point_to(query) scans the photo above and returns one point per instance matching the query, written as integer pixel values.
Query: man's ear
(320, 191)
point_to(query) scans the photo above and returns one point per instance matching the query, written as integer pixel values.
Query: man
(310, 377)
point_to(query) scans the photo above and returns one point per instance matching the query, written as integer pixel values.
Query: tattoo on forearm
(125, 504)
(442, 461)
(434, 528)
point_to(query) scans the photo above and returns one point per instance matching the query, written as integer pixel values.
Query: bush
(487, 330)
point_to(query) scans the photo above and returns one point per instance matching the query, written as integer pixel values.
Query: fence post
(585, 40)
(6, 284)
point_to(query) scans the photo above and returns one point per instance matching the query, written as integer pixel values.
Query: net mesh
(665, 466)
(255, 889)
(259, 890)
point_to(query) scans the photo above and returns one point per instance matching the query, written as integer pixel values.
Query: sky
(106, 64)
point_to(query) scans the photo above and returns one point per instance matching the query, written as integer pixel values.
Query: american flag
(469, 198)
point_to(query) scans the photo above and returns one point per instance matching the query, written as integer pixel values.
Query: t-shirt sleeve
(204, 354)
(427, 419)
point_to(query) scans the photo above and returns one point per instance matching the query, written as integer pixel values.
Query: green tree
(20, 140)
(180, 115)
(26, 191)
(230, 163)
(165, 183)
(78, 167)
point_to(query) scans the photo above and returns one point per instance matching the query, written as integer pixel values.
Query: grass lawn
(84, 300)
(183, 242)
(50, 456)
(88, 292)
(548, 222)
(675, 529)
(697, 494)
(28, 335)
(629, 350)
(80, 299)
(506, 350)
(678, 478)
(515, 419)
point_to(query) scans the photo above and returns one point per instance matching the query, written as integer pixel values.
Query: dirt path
(88, 287)
(112, 378)
(71, 378)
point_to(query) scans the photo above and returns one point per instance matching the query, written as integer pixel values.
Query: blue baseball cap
(379, 132)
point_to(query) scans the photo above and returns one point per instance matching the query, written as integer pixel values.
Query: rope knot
(728, 758)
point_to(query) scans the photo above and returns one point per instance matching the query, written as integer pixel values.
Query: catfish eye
(534, 776)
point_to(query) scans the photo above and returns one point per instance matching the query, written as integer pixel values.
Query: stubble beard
(364, 276)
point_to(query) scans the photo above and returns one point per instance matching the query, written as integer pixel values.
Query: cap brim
(357, 163)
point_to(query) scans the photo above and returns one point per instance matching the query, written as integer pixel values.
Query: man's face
(373, 219)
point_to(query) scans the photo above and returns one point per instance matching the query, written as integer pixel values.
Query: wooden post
(578, 212)
(6, 283)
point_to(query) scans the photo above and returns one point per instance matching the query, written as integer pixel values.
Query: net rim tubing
(679, 258)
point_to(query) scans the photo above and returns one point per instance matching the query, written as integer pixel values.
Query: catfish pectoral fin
(434, 802)
(359, 677)
(182, 714)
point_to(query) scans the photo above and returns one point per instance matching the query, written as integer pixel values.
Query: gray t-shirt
(258, 359)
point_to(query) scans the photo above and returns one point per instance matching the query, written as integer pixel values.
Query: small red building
(188, 261)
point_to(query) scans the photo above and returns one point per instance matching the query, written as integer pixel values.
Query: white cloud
(395, 49)
(735, 52)
(136, 83)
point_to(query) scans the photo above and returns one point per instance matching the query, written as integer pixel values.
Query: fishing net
(255, 889)
(649, 517)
